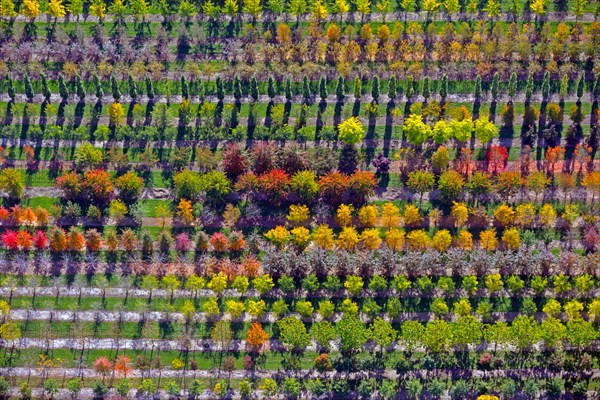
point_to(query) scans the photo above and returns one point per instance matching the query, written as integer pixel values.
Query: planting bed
(299, 199)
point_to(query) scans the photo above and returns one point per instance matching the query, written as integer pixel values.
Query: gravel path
(98, 316)
(88, 373)
(207, 345)
(58, 290)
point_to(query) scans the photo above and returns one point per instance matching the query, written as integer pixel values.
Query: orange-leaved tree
(256, 337)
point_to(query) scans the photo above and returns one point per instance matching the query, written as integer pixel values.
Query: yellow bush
(298, 213)
(504, 215)
(395, 239)
(370, 238)
(348, 238)
(488, 240)
(412, 215)
(344, 214)
(368, 215)
(417, 240)
(390, 216)
(442, 240)
(464, 240)
(525, 215)
(547, 215)
(323, 237)
(459, 213)
(511, 239)
(300, 236)
(279, 236)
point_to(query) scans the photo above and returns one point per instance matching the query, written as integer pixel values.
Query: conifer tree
(271, 88)
(495, 86)
(444, 87)
(237, 88)
(477, 92)
(340, 90)
(28, 87)
(220, 90)
(97, 86)
(254, 89)
(45, 88)
(512, 85)
(392, 91)
(62, 88)
(546, 86)
(185, 88)
(305, 89)
(116, 93)
(357, 88)
(375, 88)
(322, 89)
(133, 93)
(79, 88)
(149, 88)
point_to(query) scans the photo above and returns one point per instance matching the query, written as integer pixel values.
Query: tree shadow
(322, 106)
(389, 125)
(79, 110)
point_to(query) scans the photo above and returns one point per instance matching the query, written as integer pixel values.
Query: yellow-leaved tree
(116, 113)
(30, 9)
(511, 238)
(300, 237)
(464, 240)
(279, 236)
(98, 9)
(459, 214)
(344, 214)
(390, 216)
(394, 239)
(56, 9)
(504, 215)
(547, 216)
(368, 216)
(412, 216)
(185, 211)
(488, 240)
(323, 237)
(370, 238)
(525, 215)
(417, 240)
(348, 238)
(442, 240)
(298, 214)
